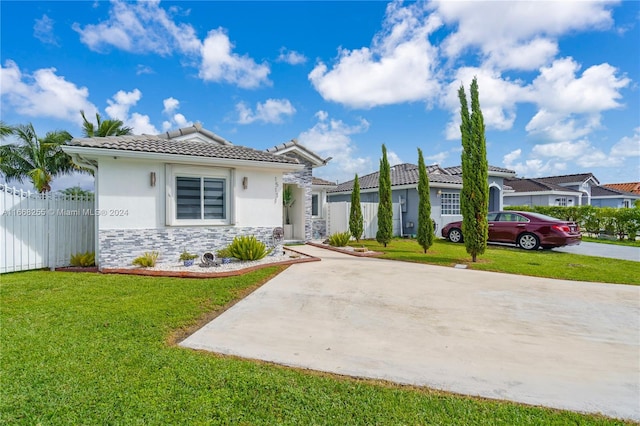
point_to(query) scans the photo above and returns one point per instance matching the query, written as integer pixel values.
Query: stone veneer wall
(302, 178)
(119, 247)
(319, 227)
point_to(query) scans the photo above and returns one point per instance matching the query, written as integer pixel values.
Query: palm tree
(104, 127)
(5, 130)
(39, 159)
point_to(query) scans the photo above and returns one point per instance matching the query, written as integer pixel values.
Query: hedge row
(623, 222)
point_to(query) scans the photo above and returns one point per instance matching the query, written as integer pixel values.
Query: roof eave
(92, 152)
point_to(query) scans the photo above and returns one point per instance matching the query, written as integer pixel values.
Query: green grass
(542, 263)
(80, 348)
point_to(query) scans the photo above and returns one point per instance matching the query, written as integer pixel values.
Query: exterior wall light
(152, 179)
(245, 182)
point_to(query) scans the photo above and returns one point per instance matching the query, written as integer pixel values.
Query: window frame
(452, 204)
(173, 172)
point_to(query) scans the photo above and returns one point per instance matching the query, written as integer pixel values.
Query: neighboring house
(602, 196)
(565, 190)
(187, 189)
(444, 186)
(534, 192)
(632, 187)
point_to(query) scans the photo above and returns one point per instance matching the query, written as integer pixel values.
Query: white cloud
(393, 158)
(142, 27)
(332, 138)
(144, 69)
(518, 34)
(270, 111)
(628, 146)
(498, 98)
(43, 94)
(170, 105)
(119, 107)
(145, 27)
(436, 158)
(176, 119)
(122, 101)
(570, 106)
(219, 63)
(43, 30)
(398, 67)
(291, 57)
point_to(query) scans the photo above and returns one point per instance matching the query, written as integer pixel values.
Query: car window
(506, 217)
(520, 218)
(492, 217)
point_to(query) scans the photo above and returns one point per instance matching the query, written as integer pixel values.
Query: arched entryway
(494, 199)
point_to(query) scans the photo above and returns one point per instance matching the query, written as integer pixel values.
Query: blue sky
(559, 81)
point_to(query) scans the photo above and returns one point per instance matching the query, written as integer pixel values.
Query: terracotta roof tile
(633, 187)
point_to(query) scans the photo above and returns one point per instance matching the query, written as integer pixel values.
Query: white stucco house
(189, 189)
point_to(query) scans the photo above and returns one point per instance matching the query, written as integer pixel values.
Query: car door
(509, 226)
(492, 218)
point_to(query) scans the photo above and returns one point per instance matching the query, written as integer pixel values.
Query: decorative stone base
(119, 247)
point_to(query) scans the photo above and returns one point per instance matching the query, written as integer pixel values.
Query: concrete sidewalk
(563, 344)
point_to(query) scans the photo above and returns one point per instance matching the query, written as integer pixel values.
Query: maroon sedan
(524, 229)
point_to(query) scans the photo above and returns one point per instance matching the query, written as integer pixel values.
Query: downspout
(92, 165)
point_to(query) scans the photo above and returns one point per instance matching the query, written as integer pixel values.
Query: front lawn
(511, 260)
(81, 348)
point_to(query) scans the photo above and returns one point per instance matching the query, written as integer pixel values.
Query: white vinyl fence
(43, 230)
(338, 218)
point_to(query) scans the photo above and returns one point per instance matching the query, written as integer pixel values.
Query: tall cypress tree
(425, 224)
(356, 221)
(385, 207)
(474, 197)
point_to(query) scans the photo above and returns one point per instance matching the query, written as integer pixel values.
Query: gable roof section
(633, 187)
(321, 182)
(294, 147)
(566, 179)
(536, 185)
(457, 170)
(603, 191)
(401, 174)
(161, 145)
(192, 132)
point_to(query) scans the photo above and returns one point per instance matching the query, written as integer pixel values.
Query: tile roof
(295, 147)
(580, 177)
(535, 185)
(603, 191)
(401, 174)
(196, 128)
(457, 170)
(318, 181)
(162, 145)
(633, 187)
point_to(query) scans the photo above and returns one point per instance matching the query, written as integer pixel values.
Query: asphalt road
(603, 250)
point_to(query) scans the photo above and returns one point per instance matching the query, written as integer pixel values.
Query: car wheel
(528, 241)
(455, 235)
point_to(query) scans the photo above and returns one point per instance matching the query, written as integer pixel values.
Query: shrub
(248, 248)
(83, 259)
(148, 259)
(224, 252)
(185, 255)
(340, 239)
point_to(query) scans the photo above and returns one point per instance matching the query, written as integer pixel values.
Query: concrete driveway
(603, 250)
(563, 344)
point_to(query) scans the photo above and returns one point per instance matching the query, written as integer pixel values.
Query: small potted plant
(187, 258)
(225, 255)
